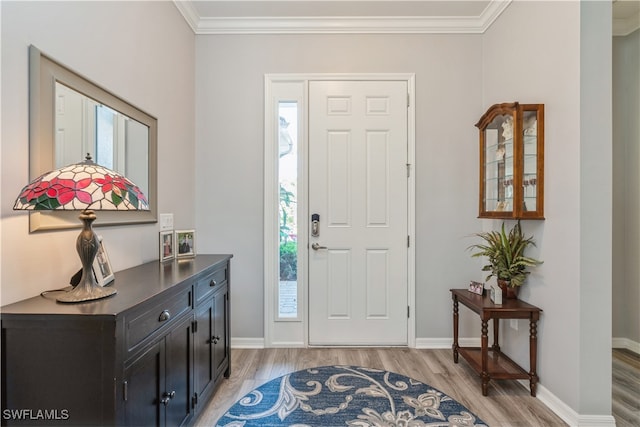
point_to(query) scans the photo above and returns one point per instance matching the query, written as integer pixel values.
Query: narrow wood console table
(498, 365)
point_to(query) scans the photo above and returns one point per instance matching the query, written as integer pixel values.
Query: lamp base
(87, 246)
(80, 294)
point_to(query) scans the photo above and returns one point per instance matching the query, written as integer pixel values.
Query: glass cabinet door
(499, 163)
(531, 139)
(511, 161)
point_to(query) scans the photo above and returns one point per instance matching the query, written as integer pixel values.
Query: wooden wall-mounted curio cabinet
(512, 161)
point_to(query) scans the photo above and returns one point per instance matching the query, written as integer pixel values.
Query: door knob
(316, 246)
(166, 397)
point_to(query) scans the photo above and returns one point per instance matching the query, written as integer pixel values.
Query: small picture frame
(102, 266)
(166, 245)
(185, 243)
(476, 288)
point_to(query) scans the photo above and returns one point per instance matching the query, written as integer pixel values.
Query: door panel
(203, 364)
(358, 185)
(221, 331)
(179, 376)
(145, 382)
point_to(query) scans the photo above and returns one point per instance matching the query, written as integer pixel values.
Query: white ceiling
(362, 16)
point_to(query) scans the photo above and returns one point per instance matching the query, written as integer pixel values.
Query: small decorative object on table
(496, 294)
(166, 245)
(476, 288)
(186, 241)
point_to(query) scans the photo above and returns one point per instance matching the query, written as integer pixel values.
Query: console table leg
(455, 329)
(496, 333)
(485, 355)
(533, 355)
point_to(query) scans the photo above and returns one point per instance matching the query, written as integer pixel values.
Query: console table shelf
(499, 365)
(491, 363)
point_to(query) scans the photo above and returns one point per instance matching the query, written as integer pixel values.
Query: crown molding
(342, 24)
(624, 27)
(189, 12)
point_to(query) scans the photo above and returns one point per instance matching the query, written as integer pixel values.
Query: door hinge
(194, 326)
(408, 241)
(408, 312)
(408, 100)
(408, 170)
(194, 400)
(125, 389)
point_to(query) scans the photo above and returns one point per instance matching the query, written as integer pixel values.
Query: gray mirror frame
(44, 72)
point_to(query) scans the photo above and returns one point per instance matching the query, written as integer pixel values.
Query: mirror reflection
(70, 116)
(114, 140)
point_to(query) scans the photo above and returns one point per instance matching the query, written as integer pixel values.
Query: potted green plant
(507, 262)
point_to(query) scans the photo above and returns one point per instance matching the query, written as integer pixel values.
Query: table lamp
(85, 187)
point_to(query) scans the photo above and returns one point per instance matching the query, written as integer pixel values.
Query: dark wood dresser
(151, 355)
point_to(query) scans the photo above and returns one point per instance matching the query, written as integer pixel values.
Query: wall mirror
(70, 116)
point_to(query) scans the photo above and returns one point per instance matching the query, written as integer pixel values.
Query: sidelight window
(288, 212)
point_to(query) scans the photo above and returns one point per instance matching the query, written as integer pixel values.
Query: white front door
(358, 282)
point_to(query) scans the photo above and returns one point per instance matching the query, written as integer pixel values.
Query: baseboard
(626, 343)
(567, 414)
(247, 342)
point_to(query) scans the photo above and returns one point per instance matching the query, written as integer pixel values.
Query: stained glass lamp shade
(85, 187)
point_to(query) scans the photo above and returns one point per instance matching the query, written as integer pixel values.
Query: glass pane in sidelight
(288, 212)
(105, 135)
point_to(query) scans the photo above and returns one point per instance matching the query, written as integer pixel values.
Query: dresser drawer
(145, 322)
(210, 282)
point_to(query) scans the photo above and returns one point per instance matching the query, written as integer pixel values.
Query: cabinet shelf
(512, 161)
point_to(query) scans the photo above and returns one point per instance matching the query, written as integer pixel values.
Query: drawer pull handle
(164, 316)
(212, 283)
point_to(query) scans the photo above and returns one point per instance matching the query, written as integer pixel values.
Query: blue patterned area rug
(347, 396)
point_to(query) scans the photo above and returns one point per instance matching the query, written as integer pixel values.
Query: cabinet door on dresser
(176, 397)
(221, 332)
(211, 357)
(158, 382)
(142, 387)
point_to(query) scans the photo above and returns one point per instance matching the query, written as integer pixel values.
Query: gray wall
(229, 164)
(140, 51)
(532, 53)
(626, 176)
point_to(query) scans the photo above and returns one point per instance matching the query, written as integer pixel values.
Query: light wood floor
(508, 403)
(626, 388)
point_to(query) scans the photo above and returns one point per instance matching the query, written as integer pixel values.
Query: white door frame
(278, 332)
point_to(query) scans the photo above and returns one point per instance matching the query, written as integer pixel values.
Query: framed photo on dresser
(102, 266)
(186, 243)
(166, 246)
